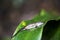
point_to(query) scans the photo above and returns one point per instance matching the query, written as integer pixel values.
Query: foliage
(39, 33)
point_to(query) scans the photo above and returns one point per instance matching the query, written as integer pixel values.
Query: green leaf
(34, 34)
(52, 30)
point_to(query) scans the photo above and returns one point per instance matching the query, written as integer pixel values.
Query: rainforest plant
(44, 26)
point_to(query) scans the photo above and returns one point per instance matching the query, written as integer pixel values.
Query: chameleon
(33, 29)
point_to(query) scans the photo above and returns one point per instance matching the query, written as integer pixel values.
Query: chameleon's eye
(23, 23)
(34, 25)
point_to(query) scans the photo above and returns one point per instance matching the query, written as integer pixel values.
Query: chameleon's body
(33, 34)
